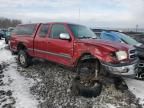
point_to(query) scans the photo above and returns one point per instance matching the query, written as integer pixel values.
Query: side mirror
(65, 36)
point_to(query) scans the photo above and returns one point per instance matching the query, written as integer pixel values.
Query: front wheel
(24, 59)
(88, 69)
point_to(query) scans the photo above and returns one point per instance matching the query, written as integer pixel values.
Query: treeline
(6, 22)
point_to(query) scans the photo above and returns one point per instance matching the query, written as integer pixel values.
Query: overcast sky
(94, 13)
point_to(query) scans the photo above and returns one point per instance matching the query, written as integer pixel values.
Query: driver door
(60, 50)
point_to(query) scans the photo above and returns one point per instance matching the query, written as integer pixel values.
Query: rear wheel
(24, 59)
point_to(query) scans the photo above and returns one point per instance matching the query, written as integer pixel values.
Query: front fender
(101, 53)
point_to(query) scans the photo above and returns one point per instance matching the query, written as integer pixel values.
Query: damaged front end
(127, 66)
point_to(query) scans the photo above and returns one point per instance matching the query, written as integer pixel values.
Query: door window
(44, 30)
(57, 29)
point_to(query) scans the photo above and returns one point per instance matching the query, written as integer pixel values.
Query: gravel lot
(53, 89)
(52, 84)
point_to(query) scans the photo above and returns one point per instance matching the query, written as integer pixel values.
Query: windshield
(81, 31)
(128, 39)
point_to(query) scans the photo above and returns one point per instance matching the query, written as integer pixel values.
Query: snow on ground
(19, 85)
(110, 106)
(5, 55)
(137, 88)
(2, 44)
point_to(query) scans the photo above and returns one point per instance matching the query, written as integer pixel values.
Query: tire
(24, 59)
(103, 71)
(13, 53)
(6, 41)
(88, 69)
(79, 89)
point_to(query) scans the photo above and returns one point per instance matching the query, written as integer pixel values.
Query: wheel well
(88, 63)
(87, 57)
(21, 46)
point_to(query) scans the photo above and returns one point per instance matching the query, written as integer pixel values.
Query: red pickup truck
(72, 45)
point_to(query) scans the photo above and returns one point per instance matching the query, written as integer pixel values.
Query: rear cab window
(25, 30)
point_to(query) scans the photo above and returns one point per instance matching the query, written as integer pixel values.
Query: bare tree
(6, 22)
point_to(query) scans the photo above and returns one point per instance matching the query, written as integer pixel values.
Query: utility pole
(79, 15)
(137, 27)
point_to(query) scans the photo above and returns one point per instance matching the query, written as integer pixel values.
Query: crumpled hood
(99, 42)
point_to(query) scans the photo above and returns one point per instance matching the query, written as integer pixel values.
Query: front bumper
(122, 69)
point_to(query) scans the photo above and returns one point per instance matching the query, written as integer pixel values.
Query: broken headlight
(121, 55)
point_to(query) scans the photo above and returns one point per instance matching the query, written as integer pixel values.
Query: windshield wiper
(93, 37)
(85, 37)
